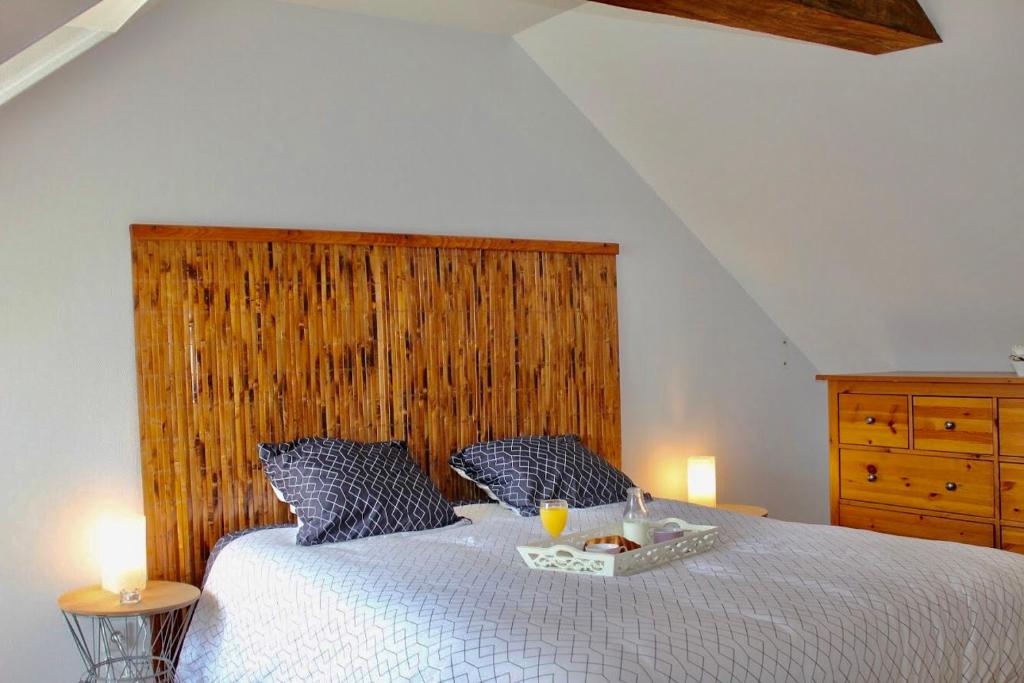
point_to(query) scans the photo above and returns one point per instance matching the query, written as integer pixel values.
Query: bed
(773, 601)
(250, 335)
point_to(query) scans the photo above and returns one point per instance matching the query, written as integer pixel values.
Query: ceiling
(873, 206)
(487, 16)
(23, 22)
(62, 39)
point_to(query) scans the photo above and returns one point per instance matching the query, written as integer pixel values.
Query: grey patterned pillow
(343, 490)
(522, 471)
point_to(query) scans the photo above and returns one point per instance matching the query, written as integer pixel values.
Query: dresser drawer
(918, 526)
(953, 424)
(1011, 492)
(918, 481)
(1011, 426)
(874, 420)
(1013, 539)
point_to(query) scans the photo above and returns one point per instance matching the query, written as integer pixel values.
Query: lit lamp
(122, 546)
(700, 480)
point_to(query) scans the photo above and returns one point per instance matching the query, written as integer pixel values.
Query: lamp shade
(700, 480)
(122, 550)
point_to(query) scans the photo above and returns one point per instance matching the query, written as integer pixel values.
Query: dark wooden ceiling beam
(871, 26)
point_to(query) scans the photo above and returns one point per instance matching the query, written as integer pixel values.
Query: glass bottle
(635, 519)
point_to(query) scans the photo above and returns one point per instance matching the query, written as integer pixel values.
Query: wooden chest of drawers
(938, 456)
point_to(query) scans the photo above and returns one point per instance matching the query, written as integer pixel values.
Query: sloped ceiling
(23, 22)
(486, 16)
(65, 37)
(873, 206)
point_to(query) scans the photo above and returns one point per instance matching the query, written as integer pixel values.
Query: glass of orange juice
(553, 515)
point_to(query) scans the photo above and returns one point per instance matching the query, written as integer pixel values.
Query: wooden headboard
(248, 334)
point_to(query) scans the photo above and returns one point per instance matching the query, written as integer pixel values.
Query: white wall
(259, 113)
(873, 206)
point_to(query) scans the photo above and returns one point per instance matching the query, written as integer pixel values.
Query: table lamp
(122, 546)
(700, 480)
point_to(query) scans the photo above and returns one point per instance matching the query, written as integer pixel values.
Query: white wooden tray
(566, 554)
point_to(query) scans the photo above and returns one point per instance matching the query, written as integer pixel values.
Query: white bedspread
(773, 601)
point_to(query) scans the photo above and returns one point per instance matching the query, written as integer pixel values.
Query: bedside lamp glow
(700, 480)
(122, 546)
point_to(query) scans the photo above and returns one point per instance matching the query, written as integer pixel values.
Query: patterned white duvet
(773, 601)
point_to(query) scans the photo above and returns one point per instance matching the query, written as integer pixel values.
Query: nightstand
(137, 642)
(749, 510)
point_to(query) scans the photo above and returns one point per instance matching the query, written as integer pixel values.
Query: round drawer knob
(872, 477)
(951, 486)
(950, 425)
(869, 420)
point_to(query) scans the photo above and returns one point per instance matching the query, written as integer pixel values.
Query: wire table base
(135, 649)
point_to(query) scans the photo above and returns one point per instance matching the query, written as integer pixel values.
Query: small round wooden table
(750, 510)
(136, 642)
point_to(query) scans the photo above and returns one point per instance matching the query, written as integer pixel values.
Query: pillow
(521, 472)
(342, 490)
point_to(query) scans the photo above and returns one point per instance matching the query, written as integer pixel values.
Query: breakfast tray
(566, 554)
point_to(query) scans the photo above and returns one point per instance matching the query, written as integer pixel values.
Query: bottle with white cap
(635, 519)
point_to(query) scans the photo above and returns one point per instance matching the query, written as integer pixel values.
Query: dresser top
(938, 377)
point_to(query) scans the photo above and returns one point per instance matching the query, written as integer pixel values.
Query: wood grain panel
(953, 424)
(870, 26)
(196, 233)
(906, 478)
(874, 420)
(1011, 426)
(1012, 539)
(1011, 491)
(241, 338)
(917, 526)
(909, 381)
(918, 481)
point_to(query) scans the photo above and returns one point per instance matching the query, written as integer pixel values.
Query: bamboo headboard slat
(246, 335)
